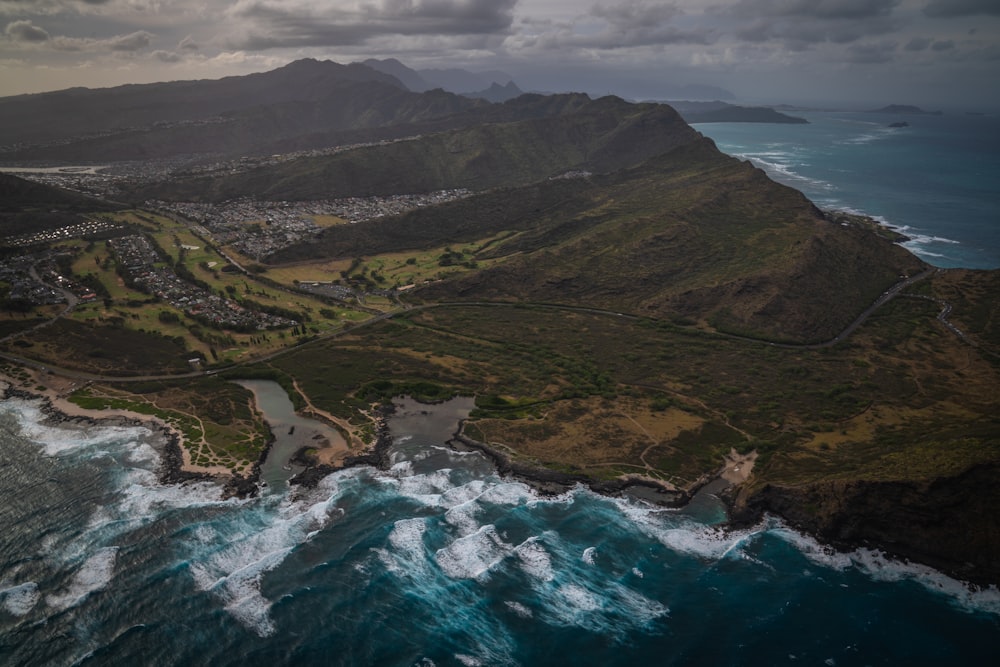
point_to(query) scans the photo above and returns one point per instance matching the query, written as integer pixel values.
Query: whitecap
(518, 609)
(249, 550)
(880, 567)
(94, 575)
(535, 560)
(19, 600)
(588, 555)
(56, 440)
(473, 556)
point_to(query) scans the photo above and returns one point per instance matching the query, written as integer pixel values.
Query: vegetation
(215, 417)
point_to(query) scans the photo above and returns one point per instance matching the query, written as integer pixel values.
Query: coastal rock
(950, 523)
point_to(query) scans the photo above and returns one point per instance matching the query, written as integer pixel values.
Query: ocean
(936, 180)
(436, 561)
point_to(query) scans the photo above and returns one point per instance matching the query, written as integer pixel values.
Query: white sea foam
(879, 567)
(518, 609)
(19, 600)
(270, 530)
(92, 576)
(464, 517)
(473, 556)
(779, 165)
(56, 440)
(588, 555)
(610, 608)
(535, 560)
(685, 535)
(509, 493)
(407, 538)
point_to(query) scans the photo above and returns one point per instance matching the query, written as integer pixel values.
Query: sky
(932, 53)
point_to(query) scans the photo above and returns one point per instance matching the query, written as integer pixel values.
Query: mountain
(522, 141)
(408, 77)
(306, 104)
(498, 93)
(463, 81)
(664, 226)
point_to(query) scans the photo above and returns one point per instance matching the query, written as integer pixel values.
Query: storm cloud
(770, 49)
(272, 24)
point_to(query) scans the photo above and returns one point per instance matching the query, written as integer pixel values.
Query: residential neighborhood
(137, 257)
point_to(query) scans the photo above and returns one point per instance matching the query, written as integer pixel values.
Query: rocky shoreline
(172, 455)
(910, 521)
(553, 482)
(949, 524)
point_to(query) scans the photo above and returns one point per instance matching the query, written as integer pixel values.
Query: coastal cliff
(949, 523)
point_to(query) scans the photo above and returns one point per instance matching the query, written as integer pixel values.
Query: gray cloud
(167, 56)
(871, 52)
(952, 8)
(800, 24)
(918, 44)
(819, 9)
(635, 14)
(300, 23)
(187, 44)
(26, 31)
(136, 41)
(943, 45)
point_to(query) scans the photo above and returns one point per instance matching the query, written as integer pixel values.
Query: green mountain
(519, 142)
(664, 226)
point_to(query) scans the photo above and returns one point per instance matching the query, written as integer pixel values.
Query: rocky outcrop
(951, 524)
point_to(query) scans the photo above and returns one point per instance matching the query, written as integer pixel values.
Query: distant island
(723, 112)
(905, 109)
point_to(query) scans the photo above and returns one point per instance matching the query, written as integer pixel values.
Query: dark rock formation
(948, 523)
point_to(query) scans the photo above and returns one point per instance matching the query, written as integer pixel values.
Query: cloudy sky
(940, 53)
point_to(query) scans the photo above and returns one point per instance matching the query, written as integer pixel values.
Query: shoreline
(60, 412)
(743, 507)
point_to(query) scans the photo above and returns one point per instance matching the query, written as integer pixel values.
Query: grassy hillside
(604, 135)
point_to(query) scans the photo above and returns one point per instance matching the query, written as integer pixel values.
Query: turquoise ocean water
(937, 180)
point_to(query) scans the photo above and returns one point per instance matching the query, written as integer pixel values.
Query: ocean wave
(21, 599)
(535, 560)
(93, 575)
(785, 171)
(56, 440)
(880, 567)
(255, 539)
(473, 556)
